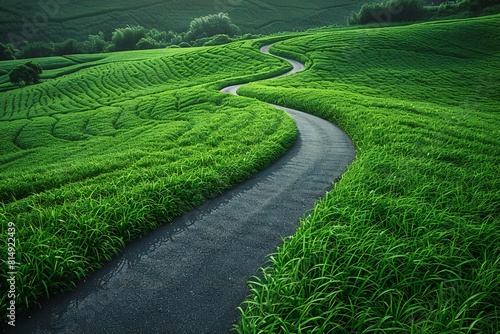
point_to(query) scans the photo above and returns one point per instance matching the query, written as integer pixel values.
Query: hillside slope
(56, 21)
(408, 240)
(92, 158)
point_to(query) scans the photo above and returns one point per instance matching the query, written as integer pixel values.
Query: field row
(109, 84)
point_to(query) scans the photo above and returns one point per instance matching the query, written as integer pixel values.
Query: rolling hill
(109, 146)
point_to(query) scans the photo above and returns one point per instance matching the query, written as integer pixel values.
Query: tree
(126, 38)
(68, 47)
(95, 43)
(389, 11)
(26, 74)
(161, 37)
(37, 50)
(211, 25)
(6, 52)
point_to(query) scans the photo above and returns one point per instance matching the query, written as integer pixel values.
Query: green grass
(77, 20)
(92, 159)
(54, 67)
(109, 146)
(409, 240)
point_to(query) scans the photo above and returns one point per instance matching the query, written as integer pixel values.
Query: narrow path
(190, 276)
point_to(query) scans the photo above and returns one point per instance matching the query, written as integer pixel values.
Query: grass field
(54, 67)
(111, 145)
(97, 157)
(409, 240)
(78, 20)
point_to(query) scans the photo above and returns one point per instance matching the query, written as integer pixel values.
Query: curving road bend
(190, 276)
(297, 67)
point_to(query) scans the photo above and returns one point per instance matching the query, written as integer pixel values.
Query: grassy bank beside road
(408, 241)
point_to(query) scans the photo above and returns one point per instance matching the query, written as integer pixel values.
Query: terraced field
(55, 67)
(408, 240)
(97, 157)
(66, 19)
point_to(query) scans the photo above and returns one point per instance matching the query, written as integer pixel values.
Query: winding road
(190, 276)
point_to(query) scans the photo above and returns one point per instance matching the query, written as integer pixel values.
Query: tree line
(416, 10)
(207, 30)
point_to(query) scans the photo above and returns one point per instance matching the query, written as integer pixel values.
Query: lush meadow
(111, 145)
(409, 240)
(101, 155)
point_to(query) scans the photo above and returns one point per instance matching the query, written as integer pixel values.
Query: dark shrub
(161, 37)
(200, 41)
(246, 36)
(156, 39)
(218, 40)
(26, 74)
(148, 43)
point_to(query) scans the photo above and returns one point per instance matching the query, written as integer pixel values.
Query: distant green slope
(78, 19)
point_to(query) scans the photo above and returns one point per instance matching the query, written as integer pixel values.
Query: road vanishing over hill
(190, 276)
